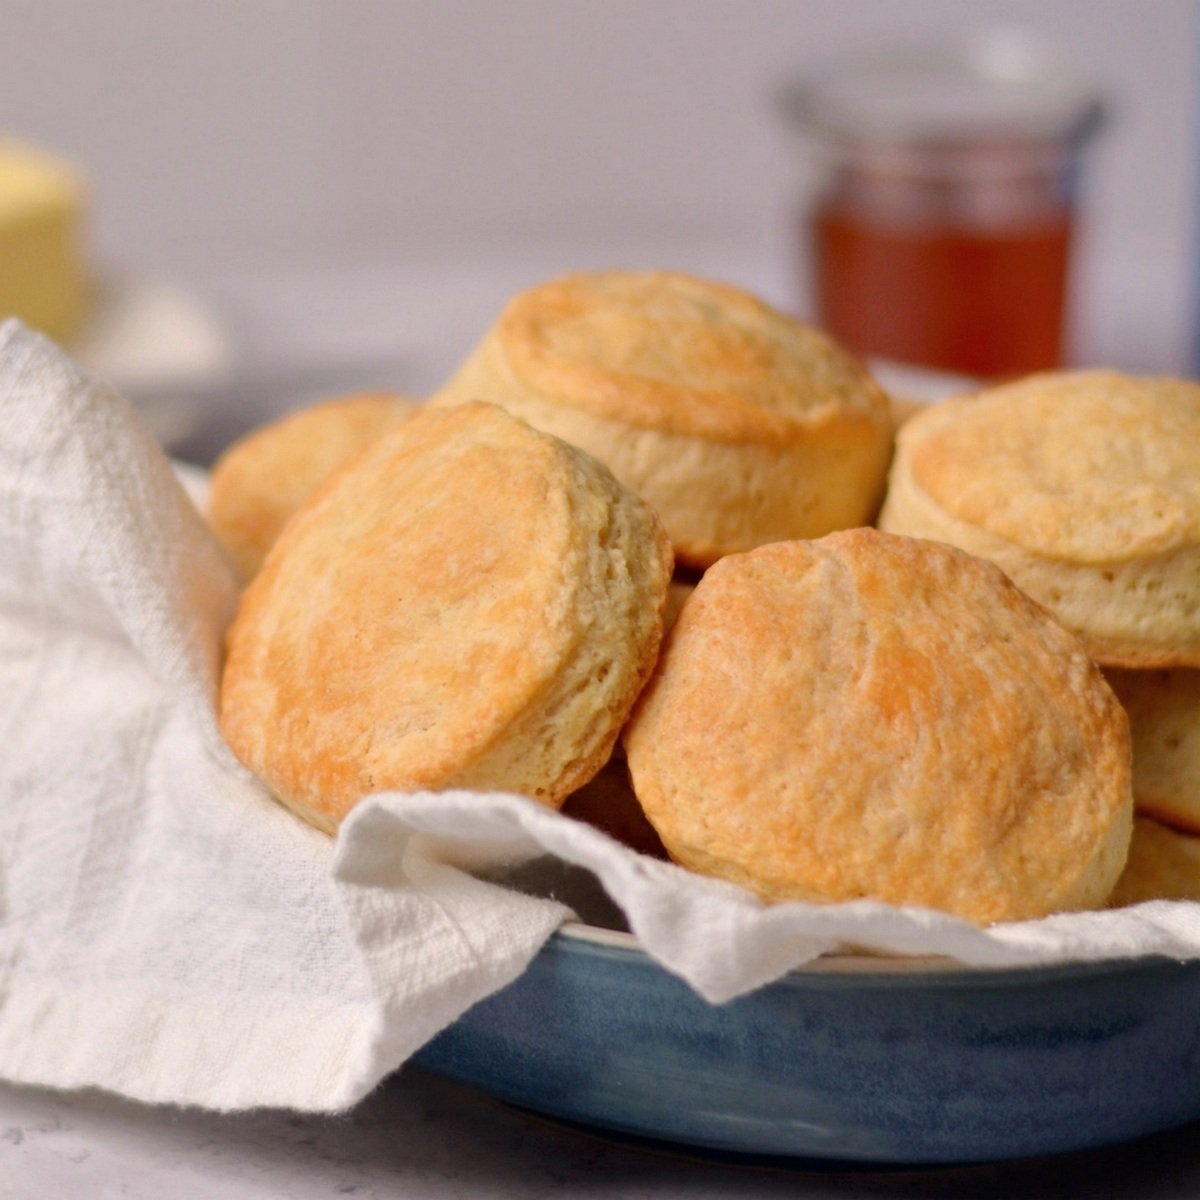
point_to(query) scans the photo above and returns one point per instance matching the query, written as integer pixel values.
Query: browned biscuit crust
(469, 604)
(262, 479)
(875, 716)
(737, 424)
(1164, 719)
(1084, 486)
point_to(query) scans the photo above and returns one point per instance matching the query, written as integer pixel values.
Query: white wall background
(255, 137)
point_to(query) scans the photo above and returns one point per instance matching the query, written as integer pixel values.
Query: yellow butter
(43, 270)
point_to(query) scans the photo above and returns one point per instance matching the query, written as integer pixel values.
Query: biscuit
(1164, 720)
(1164, 864)
(1084, 486)
(469, 604)
(872, 716)
(737, 424)
(260, 480)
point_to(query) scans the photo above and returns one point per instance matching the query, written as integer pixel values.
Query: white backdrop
(242, 138)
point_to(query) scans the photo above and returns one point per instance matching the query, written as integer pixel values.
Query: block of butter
(43, 269)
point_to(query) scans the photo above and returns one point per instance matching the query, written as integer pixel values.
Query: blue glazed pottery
(852, 1059)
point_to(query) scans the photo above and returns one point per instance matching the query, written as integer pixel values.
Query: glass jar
(941, 230)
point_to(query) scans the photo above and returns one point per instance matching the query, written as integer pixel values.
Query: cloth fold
(170, 933)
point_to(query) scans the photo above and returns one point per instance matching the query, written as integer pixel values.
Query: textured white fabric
(168, 932)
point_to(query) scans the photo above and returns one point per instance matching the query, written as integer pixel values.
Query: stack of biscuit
(1084, 486)
(738, 425)
(475, 596)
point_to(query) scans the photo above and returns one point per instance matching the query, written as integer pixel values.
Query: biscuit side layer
(715, 497)
(1140, 612)
(619, 572)
(1090, 467)
(1164, 719)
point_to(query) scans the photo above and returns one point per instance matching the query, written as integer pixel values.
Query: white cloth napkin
(168, 932)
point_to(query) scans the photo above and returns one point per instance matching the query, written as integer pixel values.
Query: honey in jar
(942, 228)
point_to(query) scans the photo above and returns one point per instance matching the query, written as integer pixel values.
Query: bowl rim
(834, 961)
(878, 964)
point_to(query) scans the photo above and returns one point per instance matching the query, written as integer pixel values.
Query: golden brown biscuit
(876, 716)
(1084, 487)
(1164, 719)
(737, 424)
(264, 477)
(1164, 864)
(469, 604)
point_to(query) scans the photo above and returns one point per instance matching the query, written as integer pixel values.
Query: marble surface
(420, 1137)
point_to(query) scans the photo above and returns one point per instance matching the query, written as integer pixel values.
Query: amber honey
(981, 300)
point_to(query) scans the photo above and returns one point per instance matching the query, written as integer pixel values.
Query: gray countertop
(422, 1138)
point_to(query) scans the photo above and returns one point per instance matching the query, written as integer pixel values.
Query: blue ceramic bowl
(853, 1059)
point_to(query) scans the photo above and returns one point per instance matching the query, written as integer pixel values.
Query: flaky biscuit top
(875, 716)
(470, 604)
(262, 478)
(1084, 466)
(662, 350)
